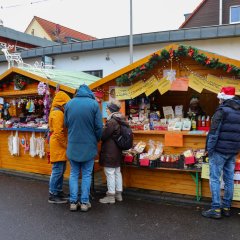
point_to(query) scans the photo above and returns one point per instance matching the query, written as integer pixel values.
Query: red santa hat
(226, 93)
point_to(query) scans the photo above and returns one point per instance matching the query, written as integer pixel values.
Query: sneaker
(85, 207)
(212, 213)
(56, 199)
(109, 198)
(74, 206)
(118, 196)
(226, 212)
(63, 195)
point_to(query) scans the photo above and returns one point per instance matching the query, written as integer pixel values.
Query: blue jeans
(56, 179)
(86, 168)
(221, 162)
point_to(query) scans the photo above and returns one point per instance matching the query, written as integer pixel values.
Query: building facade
(214, 12)
(102, 57)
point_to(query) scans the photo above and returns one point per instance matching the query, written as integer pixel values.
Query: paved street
(25, 214)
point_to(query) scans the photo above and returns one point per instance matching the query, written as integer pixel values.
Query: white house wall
(119, 57)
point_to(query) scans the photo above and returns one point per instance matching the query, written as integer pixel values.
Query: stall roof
(128, 68)
(68, 81)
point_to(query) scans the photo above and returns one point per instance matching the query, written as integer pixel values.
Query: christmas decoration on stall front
(181, 51)
(41, 88)
(20, 82)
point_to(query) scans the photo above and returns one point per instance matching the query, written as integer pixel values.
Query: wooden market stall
(170, 77)
(22, 96)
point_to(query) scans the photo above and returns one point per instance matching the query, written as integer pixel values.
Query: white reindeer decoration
(11, 57)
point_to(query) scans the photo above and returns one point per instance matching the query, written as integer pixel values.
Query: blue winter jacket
(224, 135)
(83, 120)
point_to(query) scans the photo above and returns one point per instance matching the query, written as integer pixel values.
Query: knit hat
(114, 106)
(226, 93)
(194, 100)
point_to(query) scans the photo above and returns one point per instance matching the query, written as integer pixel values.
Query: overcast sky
(99, 18)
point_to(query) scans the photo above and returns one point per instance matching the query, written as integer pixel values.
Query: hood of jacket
(84, 91)
(232, 103)
(60, 99)
(119, 117)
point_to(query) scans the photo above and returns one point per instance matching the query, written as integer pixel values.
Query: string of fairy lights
(16, 4)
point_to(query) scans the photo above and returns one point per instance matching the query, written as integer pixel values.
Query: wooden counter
(167, 180)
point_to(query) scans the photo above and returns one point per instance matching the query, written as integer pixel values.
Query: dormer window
(235, 14)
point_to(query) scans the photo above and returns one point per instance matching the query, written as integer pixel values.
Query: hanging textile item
(15, 144)
(33, 145)
(47, 104)
(40, 151)
(25, 144)
(10, 144)
(32, 107)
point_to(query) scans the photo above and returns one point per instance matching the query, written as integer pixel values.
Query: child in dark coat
(111, 154)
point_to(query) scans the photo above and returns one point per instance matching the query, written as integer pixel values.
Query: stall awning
(68, 80)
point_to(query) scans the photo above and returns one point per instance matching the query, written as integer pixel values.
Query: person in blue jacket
(83, 120)
(223, 145)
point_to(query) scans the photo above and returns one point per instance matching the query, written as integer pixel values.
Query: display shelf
(24, 129)
(19, 93)
(157, 132)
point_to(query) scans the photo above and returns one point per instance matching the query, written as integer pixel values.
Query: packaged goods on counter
(144, 114)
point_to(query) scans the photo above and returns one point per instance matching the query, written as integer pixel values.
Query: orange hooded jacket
(58, 139)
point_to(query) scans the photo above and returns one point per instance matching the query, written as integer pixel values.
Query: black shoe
(226, 212)
(63, 195)
(56, 199)
(212, 213)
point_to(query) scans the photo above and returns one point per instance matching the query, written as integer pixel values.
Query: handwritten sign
(164, 85)
(180, 84)
(173, 140)
(122, 93)
(136, 89)
(196, 83)
(213, 84)
(151, 85)
(236, 193)
(205, 171)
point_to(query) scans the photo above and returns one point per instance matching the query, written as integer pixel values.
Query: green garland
(182, 51)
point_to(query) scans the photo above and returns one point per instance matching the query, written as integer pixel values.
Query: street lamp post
(131, 35)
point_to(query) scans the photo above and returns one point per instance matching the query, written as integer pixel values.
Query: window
(32, 32)
(235, 14)
(96, 73)
(20, 49)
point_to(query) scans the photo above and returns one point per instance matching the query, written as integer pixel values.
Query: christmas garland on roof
(181, 51)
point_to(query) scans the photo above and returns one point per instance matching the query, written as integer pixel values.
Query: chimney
(187, 15)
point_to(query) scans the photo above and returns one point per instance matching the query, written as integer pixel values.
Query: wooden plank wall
(24, 162)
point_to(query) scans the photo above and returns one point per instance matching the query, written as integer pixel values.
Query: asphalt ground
(25, 214)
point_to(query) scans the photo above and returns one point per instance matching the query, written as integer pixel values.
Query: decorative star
(171, 75)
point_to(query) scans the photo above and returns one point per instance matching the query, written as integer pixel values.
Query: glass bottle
(194, 122)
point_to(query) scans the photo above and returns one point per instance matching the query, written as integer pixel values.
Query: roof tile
(63, 32)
